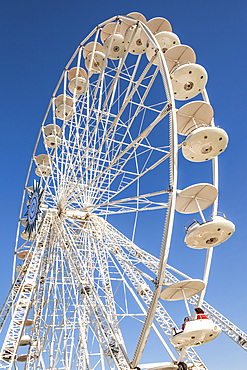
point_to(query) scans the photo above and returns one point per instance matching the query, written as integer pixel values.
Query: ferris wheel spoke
(118, 115)
(131, 120)
(162, 317)
(132, 146)
(84, 119)
(98, 316)
(143, 197)
(121, 261)
(112, 87)
(97, 165)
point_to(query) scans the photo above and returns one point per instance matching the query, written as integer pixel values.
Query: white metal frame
(77, 257)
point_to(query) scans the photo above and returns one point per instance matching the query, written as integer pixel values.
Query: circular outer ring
(171, 201)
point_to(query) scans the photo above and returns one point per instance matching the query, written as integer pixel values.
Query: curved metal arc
(172, 198)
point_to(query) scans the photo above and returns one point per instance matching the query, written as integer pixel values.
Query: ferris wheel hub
(76, 214)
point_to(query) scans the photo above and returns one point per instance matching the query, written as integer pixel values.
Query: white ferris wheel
(84, 295)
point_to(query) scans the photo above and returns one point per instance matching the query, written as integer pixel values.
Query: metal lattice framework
(92, 293)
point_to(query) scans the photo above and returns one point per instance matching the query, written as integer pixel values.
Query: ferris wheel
(85, 293)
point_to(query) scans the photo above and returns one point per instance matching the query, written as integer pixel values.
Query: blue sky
(37, 40)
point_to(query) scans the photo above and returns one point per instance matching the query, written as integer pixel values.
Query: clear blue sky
(37, 39)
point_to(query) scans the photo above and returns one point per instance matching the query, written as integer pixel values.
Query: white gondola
(42, 159)
(99, 60)
(163, 366)
(209, 234)
(130, 33)
(182, 289)
(166, 40)
(24, 222)
(43, 168)
(195, 198)
(195, 333)
(156, 25)
(22, 358)
(64, 106)
(204, 143)
(162, 30)
(25, 235)
(77, 80)
(113, 41)
(179, 55)
(25, 340)
(188, 81)
(28, 322)
(18, 269)
(193, 115)
(52, 135)
(22, 254)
